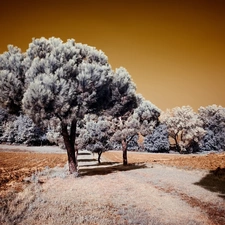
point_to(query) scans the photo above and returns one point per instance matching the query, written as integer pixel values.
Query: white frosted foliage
(158, 141)
(11, 79)
(63, 80)
(213, 119)
(21, 129)
(183, 126)
(95, 134)
(142, 121)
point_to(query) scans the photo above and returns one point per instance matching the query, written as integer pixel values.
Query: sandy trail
(152, 195)
(113, 194)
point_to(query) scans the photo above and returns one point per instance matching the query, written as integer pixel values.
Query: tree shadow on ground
(100, 164)
(214, 181)
(84, 153)
(110, 169)
(87, 160)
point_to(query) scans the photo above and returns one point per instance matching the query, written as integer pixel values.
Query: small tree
(95, 134)
(142, 121)
(213, 119)
(184, 127)
(158, 141)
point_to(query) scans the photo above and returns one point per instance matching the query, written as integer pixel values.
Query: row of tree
(69, 89)
(179, 129)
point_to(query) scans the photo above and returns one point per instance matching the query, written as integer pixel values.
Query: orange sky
(174, 50)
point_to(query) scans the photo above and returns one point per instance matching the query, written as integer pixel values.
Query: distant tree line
(66, 93)
(180, 129)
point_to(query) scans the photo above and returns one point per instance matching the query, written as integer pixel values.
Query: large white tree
(213, 119)
(184, 127)
(65, 81)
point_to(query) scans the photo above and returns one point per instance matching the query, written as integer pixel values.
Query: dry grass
(14, 206)
(54, 197)
(130, 195)
(111, 193)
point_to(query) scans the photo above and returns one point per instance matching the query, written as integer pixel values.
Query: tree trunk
(124, 148)
(177, 145)
(99, 156)
(69, 141)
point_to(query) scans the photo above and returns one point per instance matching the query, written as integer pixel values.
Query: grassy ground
(143, 192)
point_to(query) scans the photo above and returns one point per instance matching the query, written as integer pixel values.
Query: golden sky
(174, 50)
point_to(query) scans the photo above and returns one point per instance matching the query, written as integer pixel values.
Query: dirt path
(154, 195)
(113, 194)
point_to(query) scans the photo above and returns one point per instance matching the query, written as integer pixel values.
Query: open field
(15, 166)
(209, 161)
(153, 189)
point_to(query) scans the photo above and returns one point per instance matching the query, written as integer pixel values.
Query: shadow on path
(84, 153)
(109, 169)
(87, 160)
(99, 164)
(214, 181)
